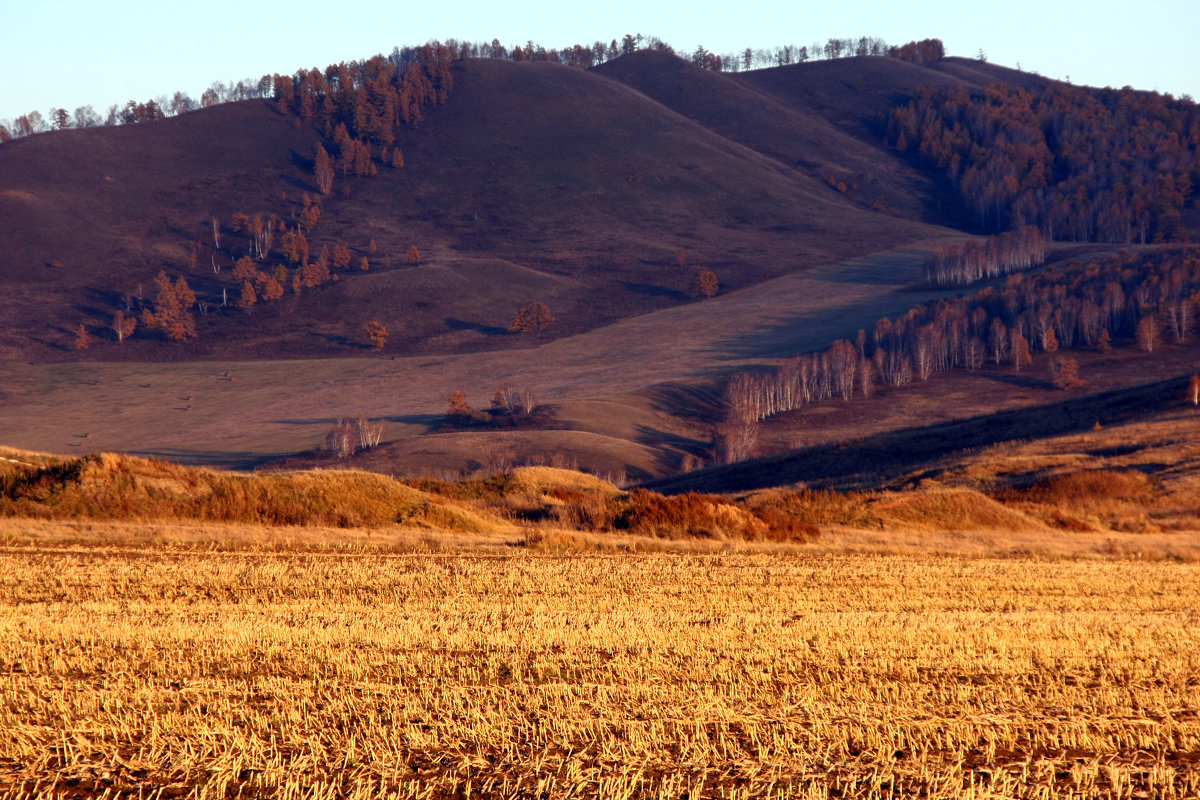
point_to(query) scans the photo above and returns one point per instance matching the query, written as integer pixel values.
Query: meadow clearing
(175, 670)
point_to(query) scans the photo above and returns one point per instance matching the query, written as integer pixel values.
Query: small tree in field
(378, 334)
(83, 339)
(414, 255)
(1193, 390)
(533, 318)
(1064, 373)
(704, 283)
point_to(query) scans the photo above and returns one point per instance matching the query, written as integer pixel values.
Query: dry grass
(210, 675)
(113, 486)
(538, 501)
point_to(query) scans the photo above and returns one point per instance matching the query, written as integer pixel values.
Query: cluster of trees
(1144, 299)
(371, 100)
(925, 51)
(172, 311)
(958, 264)
(1081, 164)
(351, 436)
(510, 407)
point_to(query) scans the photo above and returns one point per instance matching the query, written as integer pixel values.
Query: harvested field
(295, 673)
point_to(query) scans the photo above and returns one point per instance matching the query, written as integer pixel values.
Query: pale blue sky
(75, 52)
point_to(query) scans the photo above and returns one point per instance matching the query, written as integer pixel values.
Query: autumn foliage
(533, 318)
(377, 332)
(1081, 164)
(703, 284)
(171, 313)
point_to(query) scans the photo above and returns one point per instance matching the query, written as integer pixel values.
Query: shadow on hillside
(652, 290)
(896, 267)
(333, 338)
(1025, 381)
(700, 403)
(670, 448)
(425, 420)
(222, 459)
(456, 324)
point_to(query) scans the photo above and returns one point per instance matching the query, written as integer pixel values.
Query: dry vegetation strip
(434, 676)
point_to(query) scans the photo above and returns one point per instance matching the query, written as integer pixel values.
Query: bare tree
(369, 433)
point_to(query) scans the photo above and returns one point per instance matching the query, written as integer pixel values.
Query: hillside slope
(573, 188)
(794, 134)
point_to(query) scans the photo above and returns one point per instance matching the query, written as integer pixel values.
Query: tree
(364, 265)
(1193, 390)
(369, 433)
(342, 440)
(1064, 373)
(271, 286)
(123, 326)
(378, 333)
(249, 297)
(414, 255)
(83, 339)
(533, 318)
(458, 410)
(171, 304)
(703, 283)
(341, 256)
(1020, 350)
(1147, 333)
(397, 159)
(323, 170)
(244, 269)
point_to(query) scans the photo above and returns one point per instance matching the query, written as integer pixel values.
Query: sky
(69, 53)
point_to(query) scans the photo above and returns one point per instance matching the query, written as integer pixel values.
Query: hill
(559, 185)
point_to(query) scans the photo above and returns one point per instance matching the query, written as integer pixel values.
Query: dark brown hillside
(538, 161)
(795, 137)
(854, 93)
(90, 214)
(584, 189)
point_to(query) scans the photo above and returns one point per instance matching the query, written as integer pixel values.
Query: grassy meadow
(177, 672)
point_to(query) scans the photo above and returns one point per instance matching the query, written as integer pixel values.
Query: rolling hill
(594, 192)
(534, 182)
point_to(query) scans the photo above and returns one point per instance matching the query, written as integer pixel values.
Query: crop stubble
(302, 675)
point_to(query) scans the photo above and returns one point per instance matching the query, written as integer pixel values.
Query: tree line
(392, 90)
(958, 264)
(1142, 299)
(1082, 164)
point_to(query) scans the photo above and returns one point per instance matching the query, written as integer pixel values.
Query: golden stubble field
(161, 672)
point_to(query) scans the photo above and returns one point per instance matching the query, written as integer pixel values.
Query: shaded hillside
(856, 93)
(878, 459)
(794, 136)
(582, 184)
